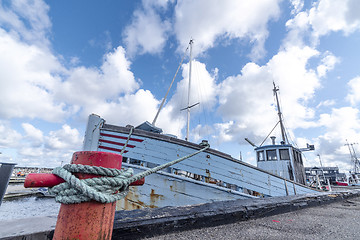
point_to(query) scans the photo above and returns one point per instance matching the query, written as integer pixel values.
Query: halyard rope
(103, 189)
(127, 140)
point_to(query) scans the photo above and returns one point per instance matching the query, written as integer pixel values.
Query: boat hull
(164, 189)
(341, 183)
(206, 177)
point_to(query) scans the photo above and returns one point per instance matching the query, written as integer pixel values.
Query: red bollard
(88, 220)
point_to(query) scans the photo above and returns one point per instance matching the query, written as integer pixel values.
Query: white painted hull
(212, 175)
(164, 189)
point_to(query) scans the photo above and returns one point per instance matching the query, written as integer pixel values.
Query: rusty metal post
(6, 170)
(88, 220)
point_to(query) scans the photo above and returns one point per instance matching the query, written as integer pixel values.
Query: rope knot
(110, 188)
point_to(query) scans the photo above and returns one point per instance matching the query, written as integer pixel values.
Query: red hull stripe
(111, 149)
(121, 137)
(116, 143)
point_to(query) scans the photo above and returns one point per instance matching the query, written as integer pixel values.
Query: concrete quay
(330, 215)
(338, 220)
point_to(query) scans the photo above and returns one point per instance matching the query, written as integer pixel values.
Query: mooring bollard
(86, 220)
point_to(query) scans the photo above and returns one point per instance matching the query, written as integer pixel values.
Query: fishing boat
(282, 159)
(341, 183)
(209, 176)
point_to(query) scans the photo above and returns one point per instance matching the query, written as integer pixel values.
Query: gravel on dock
(339, 220)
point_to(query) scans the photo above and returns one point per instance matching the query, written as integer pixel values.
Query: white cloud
(327, 63)
(66, 138)
(38, 149)
(27, 84)
(247, 99)
(324, 17)
(326, 103)
(130, 109)
(335, 15)
(27, 20)
(88, 87)
(245, 103)
(223, 132)
(8, 136)
(354, 93)
(343, 120)
(147, 33)
(35, 148)
(33, 134)
(224, 19)
(297, 6)
(341, 124)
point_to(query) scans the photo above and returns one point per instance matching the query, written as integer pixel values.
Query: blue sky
(63, 60)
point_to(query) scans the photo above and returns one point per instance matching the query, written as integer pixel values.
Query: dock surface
(338, 220)
(331, 215)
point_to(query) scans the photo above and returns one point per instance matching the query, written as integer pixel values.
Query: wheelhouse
(283, 160)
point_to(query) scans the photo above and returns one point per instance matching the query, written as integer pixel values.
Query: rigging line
(197, 86)
(204, 105)
(269, 133)
(164, 99)
(287, 133)
(201, 98)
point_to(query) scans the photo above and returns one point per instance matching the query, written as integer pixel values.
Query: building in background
(324, 173)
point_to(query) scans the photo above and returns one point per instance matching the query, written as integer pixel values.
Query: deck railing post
(286, 188)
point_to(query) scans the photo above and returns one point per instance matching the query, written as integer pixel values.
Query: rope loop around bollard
(110, 188)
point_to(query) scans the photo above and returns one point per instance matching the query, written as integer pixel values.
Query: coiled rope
(107, 189)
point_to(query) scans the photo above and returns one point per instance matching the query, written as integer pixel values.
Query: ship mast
(283, 133)
(188, 103)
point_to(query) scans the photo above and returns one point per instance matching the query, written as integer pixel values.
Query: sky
(60, 61)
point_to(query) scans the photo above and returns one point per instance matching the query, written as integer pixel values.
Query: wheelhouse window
(271, 155)
(135, 161)
(260, 156)
(300, 158)
(284, 154)
(297, 156)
